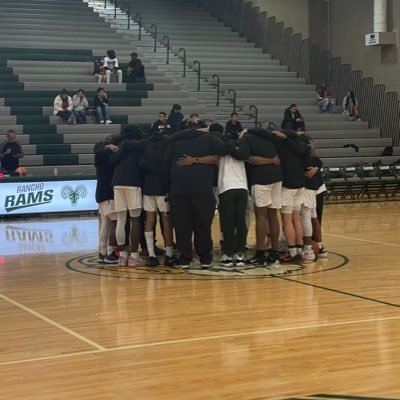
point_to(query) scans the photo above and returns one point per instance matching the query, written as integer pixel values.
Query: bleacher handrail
(197, 62)
(138, 19)
(255, 115)
(315, 65)
(166, 43)
(217, 77)
(234, 100)
(183, 50)
(154, 31)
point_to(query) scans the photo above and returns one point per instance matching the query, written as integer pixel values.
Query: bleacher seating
(36, 62)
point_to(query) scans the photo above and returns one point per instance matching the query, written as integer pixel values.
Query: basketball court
(73, 329)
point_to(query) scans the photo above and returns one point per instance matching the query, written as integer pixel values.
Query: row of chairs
(357, 182)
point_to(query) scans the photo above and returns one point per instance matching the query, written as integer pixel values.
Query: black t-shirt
(10, 162)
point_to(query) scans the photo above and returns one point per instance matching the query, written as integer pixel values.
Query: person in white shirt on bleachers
(111, 66)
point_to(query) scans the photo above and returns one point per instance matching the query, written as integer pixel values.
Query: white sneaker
(322, 253)
(239, 260)
(226, 261)
(309, 255)
(108, 122)
(101, 122)
(123, 259)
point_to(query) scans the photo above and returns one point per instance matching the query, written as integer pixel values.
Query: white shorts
(107, 209)
(267, 195)
(156, 203)
(292, 199)
(310, 198)
(128, 198)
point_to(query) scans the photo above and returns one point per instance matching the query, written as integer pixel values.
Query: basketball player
(155, 197)
(265, 179)
(292, 152)
(127, 183)
(105, 198)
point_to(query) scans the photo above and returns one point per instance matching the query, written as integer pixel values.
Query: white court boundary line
(361, 240)
(204, 338)
(54, 323)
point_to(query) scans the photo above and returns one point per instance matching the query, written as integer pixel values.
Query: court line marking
(361, 240)
(358, 296)
(204, 338)
(51, 322)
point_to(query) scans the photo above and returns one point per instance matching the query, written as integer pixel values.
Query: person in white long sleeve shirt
(80, 105)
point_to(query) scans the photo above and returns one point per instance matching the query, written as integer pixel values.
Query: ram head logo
(68, 192)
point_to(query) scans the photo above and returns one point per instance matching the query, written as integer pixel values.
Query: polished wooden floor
(69, 335)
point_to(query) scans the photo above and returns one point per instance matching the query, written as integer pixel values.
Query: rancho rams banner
(47, 197)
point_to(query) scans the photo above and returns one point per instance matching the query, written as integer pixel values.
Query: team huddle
(182, 178)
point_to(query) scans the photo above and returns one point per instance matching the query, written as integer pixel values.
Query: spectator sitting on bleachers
(98, 70)
(10, 153)
(162, 126)
(175, 117)
(292, 119)
(63, 107)
(80, 105)
(324, 96)
(102, 107)
(194, 122)
(350, 106)
(234, 127)
(112, 67)
(135, 68)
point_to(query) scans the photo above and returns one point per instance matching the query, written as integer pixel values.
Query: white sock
(103, 250)
(123, 253)
(292, 251)
(111, 249)
(150, 243)
(169, 251)
(299, 250)
(307, 247)
(320, 245)
(135, 255)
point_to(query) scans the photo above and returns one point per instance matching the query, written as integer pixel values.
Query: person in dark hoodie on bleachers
(176, 117)
(162, 125)
(127, 184)
(293, 120)
(189, 174)
(233, 126)
(103, 151)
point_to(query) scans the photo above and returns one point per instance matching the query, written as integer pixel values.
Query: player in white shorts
(265, 178)
(155, 197)
(127, 182)
(292, 152)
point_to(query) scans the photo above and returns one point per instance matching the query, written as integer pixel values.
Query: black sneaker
(273, 257)
(100, 259)
(170, 261)
(153, 262)
(239, 260)
(259, 261)
(184, 263)
(111, 258)
(226, 261)
(206, 262)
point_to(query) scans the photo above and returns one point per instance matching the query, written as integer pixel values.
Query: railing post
(154, 31)
(216, 76)
(234, 98)
(138, 19)
(166, 38)
(129, 16)
(184, 60)
(115, 9)
(105, 3)
(255, 108)
(196, 62)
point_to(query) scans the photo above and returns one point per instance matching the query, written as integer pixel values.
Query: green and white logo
(68, 192)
